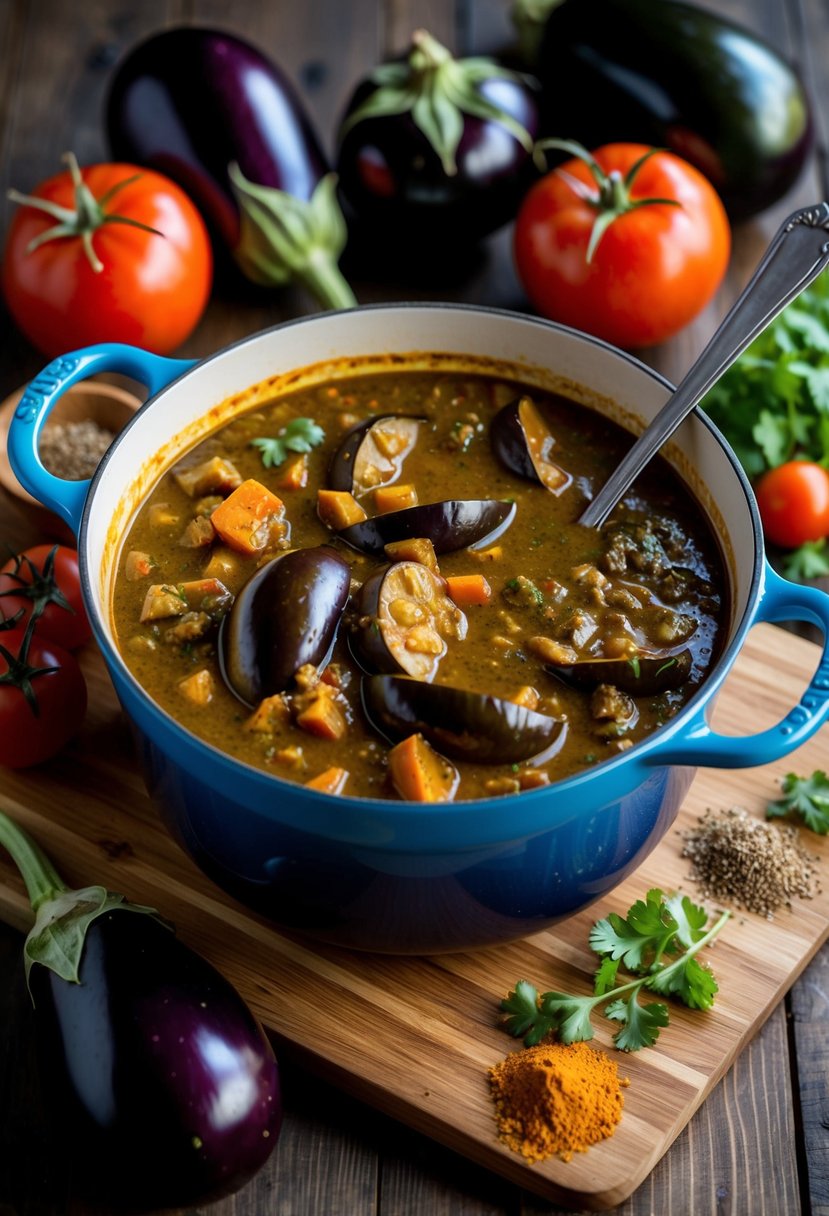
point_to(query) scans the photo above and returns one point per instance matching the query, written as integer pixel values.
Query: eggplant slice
(404, 618)
(522, 442)
(643, 675)
(287, 615)
(463, 725)
(451, 525)
(372, 453)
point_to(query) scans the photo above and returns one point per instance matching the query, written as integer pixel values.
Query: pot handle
(67, 498)
(698, 745)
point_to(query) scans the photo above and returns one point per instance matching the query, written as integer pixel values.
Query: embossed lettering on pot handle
(697, 744)
(67, 498)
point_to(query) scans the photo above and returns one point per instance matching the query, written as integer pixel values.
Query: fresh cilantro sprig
(657, 943)
(806, 798)
(299, 435)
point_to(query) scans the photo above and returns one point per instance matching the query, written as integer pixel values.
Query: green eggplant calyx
(612, 198)
(283, 238)
(529, 18)
(438, 90)
(89, 214)
(62, 916)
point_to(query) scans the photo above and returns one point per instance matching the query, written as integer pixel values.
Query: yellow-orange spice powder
(556, 1099)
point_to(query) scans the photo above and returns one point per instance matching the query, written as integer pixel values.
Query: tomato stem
(612, 196)
(87, 217)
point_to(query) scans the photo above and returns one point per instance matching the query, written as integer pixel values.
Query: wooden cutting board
(415, 1037)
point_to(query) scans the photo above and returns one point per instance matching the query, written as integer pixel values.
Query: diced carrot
(269, 715)
(339, 509)
(198, 688)
(249, 518)
(468, 590)
(420, 774)
(394, 498)
(295, 476)
(323, 718)
(413, 549)
(330, 781)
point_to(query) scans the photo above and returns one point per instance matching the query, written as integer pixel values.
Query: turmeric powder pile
(556, 1100)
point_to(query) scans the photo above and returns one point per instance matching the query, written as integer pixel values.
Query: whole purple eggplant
(435, 151)
(213, 113)
(158, 1073)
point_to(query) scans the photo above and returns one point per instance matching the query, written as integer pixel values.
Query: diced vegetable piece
(469, 590)
(208, 595)
(414, 549)
(339, 509)
(420, 774)
(295, 475)
(251, 519)
(223, 564)
(527, 696)
(493, 554)
(198, 688)
(291, 757)
(323, 717)
(162, 515)
(137, 565)
(198, 534)
(330, 781)
(189, 628)
(215, 476)
(163, 600)
(270, 714)
(395, 498)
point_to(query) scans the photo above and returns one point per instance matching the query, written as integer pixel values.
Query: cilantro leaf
(300, 435)
(806, 798)
(640, 1023)
(810, 560)
(646, 942)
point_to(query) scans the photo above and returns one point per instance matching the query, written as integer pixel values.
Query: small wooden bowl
(107, 404)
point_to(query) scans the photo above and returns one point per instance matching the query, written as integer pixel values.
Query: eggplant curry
(376, 587)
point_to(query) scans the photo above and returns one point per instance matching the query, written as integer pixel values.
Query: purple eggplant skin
(460, 724)
(285, 616)
(161, 1076)
(189, 101)
(454, 524)
(392, 180)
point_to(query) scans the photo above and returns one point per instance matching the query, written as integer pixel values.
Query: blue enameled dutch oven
(393, 876)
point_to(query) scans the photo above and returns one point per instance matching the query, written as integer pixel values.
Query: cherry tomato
(794, 503)
(107, 280)
(46, 577)
(42, 698)
(656, 264)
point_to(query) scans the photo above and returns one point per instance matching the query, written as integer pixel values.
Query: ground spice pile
(73, 450)
(556, 1100)
(750, 864)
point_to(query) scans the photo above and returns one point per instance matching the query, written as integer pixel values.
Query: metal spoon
(795, 257)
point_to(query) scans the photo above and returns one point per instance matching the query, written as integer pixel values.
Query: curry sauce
(443, 628)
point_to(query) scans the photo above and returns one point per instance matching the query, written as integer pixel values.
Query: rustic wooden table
(758, 1145)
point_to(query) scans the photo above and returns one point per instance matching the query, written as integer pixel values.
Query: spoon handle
(795, 257)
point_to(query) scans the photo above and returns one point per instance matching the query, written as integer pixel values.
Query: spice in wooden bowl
(76, 435)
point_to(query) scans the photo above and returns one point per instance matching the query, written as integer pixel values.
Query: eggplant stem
(324, 279)
(41, 878)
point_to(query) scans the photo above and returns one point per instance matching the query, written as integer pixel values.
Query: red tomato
(46, 576)
(794, 503)
(34, 727)
(150, 290)
(656, 265)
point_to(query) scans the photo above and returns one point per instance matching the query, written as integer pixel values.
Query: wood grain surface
(414, 1037)
(757, 1145)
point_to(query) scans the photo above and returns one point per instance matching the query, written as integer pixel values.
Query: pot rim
(644, 753)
